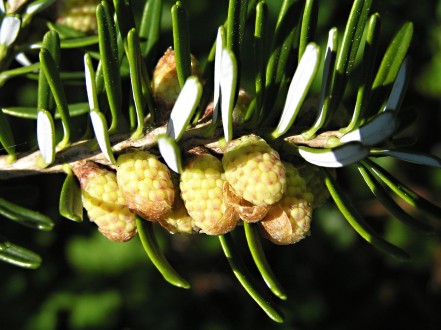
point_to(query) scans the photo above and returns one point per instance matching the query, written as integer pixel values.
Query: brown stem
(28, 163)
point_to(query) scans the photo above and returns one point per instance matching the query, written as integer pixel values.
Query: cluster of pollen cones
(212, 195)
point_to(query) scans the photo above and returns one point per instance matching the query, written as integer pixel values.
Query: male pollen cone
(202, 182)
(146, 184)
(104, 202)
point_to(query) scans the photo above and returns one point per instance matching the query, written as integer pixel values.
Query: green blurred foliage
(334, 279)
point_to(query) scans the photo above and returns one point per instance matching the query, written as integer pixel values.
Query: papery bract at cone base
(288, 221)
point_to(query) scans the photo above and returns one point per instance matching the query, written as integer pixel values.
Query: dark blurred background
(334, 279)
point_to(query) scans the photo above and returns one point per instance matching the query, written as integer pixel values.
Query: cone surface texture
(178, 220)
(146, 184)
(315, 183)
(105, 203)
(78, 14)
(254, 171)
(202, 182)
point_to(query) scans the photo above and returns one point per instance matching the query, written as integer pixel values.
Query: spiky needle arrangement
(195, 153)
